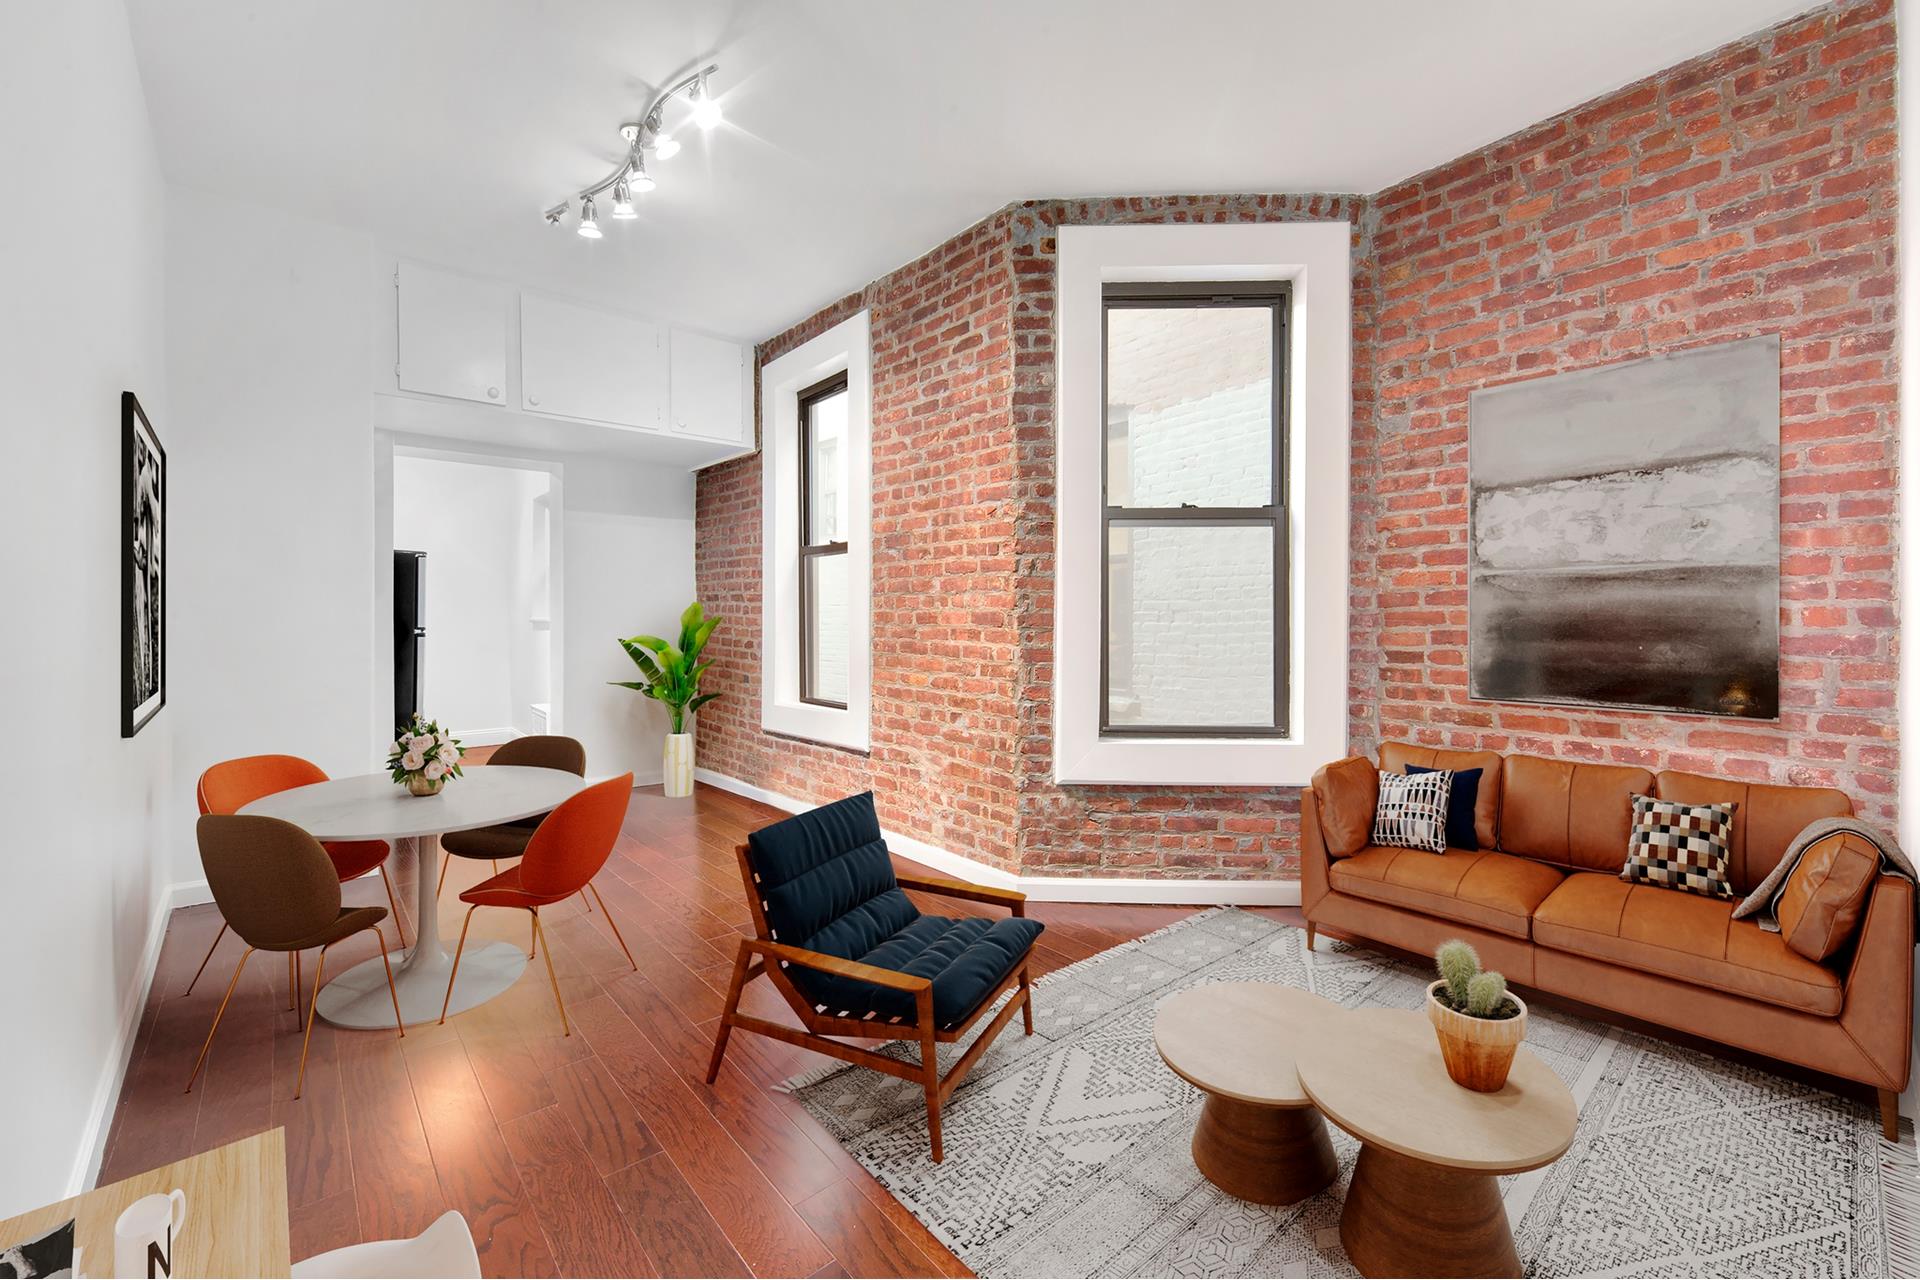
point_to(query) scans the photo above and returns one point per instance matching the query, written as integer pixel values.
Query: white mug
(144, 1236)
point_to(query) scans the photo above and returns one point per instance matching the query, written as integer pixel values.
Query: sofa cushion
(1574, 815)
(1492, 890)
(1767, 820)
(966, 958)
(825, 880)
(1826, 894)
(1396, 756)
(1461, 800)
(1413, 810)
(1680, 846)
(1684, 936)
(1347, 792)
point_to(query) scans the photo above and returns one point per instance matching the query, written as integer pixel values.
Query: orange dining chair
(566, 850)
(232, 785)
(277, 889)
(509, 839)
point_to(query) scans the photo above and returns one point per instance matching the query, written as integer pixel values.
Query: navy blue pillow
(1460, 805)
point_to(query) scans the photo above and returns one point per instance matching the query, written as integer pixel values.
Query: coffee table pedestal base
(1406, 1217)
(1268, 1155)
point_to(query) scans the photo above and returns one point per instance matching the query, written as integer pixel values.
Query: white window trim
(845, 347)
(1315, 257)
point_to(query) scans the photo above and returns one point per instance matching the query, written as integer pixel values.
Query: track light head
(623, 201)
(666, 147)
(589, 227)
(638, 179)
(706, 111)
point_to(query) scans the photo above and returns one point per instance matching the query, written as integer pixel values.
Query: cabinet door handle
(533, 399)
(493, 393)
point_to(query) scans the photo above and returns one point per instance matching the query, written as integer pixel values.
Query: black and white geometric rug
(1067, 1152)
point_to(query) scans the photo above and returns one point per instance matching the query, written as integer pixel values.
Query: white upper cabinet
(578, 362)
(453, 332)
(708, 387)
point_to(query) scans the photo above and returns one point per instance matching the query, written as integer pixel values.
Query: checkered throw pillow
(1680, 846)
(1412, 812)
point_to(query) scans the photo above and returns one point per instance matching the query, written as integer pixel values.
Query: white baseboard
(1168, 891)
(106, 1095)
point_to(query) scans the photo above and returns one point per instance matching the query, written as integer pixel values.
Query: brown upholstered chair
(509, 839)
(277, 890)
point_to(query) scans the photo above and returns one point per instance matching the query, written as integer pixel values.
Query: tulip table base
(358, 997)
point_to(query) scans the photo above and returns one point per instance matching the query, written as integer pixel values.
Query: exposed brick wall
(1748, 191)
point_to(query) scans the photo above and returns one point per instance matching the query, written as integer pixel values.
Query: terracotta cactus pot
(1478, 1051)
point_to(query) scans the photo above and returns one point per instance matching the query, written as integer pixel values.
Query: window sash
(1276, 295)
(835, 385)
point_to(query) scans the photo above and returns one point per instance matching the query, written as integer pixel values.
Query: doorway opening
(476, 620)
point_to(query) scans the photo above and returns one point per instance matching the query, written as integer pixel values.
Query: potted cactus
(1479, 1022)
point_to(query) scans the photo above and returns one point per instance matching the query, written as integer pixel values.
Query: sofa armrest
(1878, 1014)
(1313, 854)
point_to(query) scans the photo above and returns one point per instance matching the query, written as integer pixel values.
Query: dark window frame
(810, 550)
(1277, 295)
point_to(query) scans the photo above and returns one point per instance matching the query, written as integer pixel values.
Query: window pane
(1189, 406)
(828, 651)
(1190, 625)
(826, 469)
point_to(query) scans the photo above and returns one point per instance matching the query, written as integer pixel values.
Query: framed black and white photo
(143, 565)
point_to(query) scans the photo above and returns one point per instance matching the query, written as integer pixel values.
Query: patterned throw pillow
(1412, 813)
(1680, 846)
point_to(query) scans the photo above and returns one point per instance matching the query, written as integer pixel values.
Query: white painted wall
(273, 520)
(627, 570)
(81, 320)
(478, 523)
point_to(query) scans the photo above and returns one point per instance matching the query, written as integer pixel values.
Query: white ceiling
(859, 133)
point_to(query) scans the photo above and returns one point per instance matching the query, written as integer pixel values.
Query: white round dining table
(372, 807)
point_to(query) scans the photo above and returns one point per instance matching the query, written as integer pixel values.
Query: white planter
(677, 764)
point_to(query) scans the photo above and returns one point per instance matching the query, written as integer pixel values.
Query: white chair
(444, 1251)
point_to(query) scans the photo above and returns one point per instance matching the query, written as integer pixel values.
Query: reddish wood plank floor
(599, 1153)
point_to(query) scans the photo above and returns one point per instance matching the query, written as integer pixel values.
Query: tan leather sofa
(1543, 902)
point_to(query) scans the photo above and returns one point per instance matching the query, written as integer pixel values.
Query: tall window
(824, 638)
(1194, 521)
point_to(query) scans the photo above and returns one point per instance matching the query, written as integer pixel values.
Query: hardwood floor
(603, 1153)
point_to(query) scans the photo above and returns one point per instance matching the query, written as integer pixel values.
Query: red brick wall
(1748, 191)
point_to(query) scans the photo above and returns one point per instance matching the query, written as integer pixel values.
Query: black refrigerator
(409, 634)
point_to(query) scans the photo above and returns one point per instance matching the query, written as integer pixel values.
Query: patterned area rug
(1067, 1151)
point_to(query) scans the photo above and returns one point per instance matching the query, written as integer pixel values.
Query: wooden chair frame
(761, 954)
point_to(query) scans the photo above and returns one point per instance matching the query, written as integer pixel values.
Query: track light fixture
(647, 134)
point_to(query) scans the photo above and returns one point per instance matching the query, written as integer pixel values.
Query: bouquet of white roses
(423, 757)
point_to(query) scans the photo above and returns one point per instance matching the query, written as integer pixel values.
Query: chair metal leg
(446, 860)
(616, 928)
(203, 960)
(1026, 994)
(399, 1024)
(218, 1014)
(726, 1014)
(399, 925)
(533, 938)
(319, 967)
(583, 897)
(293, 981)
(929, 1065)
(565, 1027)
(456, 965)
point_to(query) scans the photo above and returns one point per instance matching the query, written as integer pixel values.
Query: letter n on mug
(144, 1236)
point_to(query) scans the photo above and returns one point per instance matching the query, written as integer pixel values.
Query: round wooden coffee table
(1259, 1137)
(1422, 1200)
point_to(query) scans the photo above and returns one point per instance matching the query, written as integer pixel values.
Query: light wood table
(236, 1221)
(371, 807)
(1259, 1137)
(1423, 1200)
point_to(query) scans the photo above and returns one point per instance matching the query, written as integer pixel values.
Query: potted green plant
(423, 756)
(1479, 1022)
(670, 673)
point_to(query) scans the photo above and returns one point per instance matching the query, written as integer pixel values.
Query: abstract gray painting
(1625, 542)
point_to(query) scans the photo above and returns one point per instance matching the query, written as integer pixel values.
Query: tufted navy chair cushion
(826, 884)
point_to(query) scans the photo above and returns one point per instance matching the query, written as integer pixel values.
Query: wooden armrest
(971, 892)
(823, 963)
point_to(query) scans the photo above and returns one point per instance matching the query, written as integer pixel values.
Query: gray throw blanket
(1762, 900)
